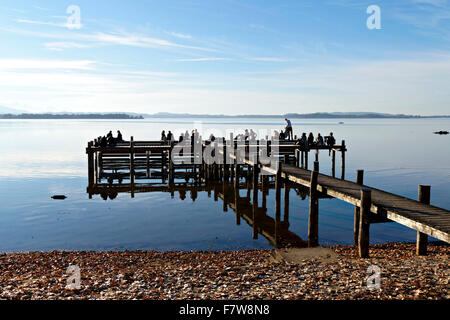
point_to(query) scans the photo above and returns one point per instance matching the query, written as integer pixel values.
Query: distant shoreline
(38, 116)
(164, 115)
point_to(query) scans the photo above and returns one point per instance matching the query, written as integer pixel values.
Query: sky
(225, 57)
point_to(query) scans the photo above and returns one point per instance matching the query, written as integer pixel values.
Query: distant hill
(317, 115)
(69, 116)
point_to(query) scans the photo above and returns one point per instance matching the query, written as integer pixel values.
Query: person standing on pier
(289, 133)
(163, 136)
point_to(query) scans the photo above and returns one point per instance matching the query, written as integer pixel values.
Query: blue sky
(228, 56)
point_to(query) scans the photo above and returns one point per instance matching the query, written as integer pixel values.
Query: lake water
(41, 158)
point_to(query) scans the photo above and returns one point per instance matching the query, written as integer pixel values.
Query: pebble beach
(246, 274)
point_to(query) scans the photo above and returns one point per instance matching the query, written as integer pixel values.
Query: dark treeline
(69, 116)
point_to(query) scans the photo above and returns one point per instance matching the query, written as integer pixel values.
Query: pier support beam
(278, 191)
(313, 223)
(360, 181)
(306, 159)
(364, 223)
(333, 163)
(422, 238)
(343, 160)
(90, 164)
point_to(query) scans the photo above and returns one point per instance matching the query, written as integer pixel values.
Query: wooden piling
(333, 163)
(316, 166)
(360, 181)
(90, 153)
(297, 158)
(422, 238)
(278, 191)
(343, 160)
(313, 223)
(364, 223)
(306, 159)
(131, 160)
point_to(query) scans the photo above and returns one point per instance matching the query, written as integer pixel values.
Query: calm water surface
(41, 158)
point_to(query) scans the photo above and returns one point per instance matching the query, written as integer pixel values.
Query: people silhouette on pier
(119, 136)
(163, 136)
(289, 133)
(303, 141)
(319, 140)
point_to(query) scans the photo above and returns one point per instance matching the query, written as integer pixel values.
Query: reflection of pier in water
(275, 230)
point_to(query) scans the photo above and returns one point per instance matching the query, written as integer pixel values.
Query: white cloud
(203, 59)
(17, 64)
(58, 46)
(180, 35)
(268, 59)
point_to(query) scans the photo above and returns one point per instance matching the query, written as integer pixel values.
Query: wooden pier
(153, 160)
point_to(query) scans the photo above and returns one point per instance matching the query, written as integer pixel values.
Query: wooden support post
(422, 238)
(278, 191)
(313, 223)
(316, 166)
(131, 160)
(90, 154)
(286, 158)
(303, 159)
(317, 155)
(132, 166)
(286, 202)
(360, 181)
(306, 159)
(343, 160)
(236, 194)
(147, 154)
(364, 223)
(297, 158)
(333, 163)
(171, 168)
(255, 200)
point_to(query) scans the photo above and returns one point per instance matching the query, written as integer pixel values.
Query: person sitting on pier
(163, 136)
(276, 135)
(186, 136)
(319, 140)
(119, 136)
(252, 135)
(310, 139)
(282, 136)
(212, 138)
(289, 133)
(246, 134)
(103, 142)
(330, 141)
(181, 137)
(303, 141)
(109, 135)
